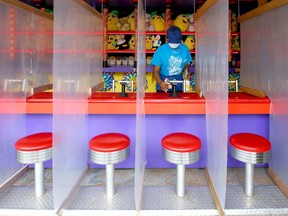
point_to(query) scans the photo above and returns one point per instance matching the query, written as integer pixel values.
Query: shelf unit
(233, 71)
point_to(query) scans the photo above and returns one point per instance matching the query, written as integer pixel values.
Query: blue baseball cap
(174, 35)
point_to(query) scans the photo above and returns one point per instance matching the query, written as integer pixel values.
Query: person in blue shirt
(170, 60)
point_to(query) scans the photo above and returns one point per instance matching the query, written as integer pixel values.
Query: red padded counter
(243, 103)
(109, 142)
(111, 103)
(165, 97)
(35, 142)
(250, 142)
(40, 103)
(111, 97)
(181, 142)
(162, 103)
(155, 103)
(43, 97)
(241, 97)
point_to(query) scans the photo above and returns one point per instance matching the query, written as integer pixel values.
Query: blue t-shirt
(171, 62)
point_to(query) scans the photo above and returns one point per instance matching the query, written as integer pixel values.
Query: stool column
(249, 178)
(180, 180)
(39, 179)
(110, 179)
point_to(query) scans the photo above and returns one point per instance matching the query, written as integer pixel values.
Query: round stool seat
(35, 142)
(181, 148)
(34, 148)
(109, 148)
(250, 148)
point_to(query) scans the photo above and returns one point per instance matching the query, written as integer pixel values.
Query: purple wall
(157, 126)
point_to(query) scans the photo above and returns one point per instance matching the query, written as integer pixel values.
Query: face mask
(174, 45)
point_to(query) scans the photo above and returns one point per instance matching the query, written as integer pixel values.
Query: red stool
(250, 149)
(109, 149)
(181, 149)
(35, 149)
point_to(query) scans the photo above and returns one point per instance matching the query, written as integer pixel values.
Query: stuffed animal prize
(131, 21)
(182, 21)
(157, 22)
(113, 20)
(190, 42)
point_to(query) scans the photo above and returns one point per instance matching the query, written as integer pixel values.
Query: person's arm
(156, 74)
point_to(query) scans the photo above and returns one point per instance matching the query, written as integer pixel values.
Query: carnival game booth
(259, 69)
(77, 67)
(84, 121)
(27, 57)
(152, 125)
(263, 74)
(26, 63)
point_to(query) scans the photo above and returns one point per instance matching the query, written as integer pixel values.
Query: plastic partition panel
(268, 48)
(212, 70)
(253, 72)
(140, 155)
(74, 62)
(14, 50)
(41, 57)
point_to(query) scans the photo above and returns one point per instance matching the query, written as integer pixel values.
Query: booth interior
(58, 75)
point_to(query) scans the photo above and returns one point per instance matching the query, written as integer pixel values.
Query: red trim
(155, 103)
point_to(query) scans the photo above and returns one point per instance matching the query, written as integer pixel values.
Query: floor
(153, 177)
(158, 198)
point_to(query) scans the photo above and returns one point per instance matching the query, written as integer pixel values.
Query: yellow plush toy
(148, 60)
(132, 43)
(157, 22)
(111, 42)
(190, 42)
(113, 20)
(148, 42)
(131, 21)
(182, 21)
(236, 43)
(123, 24)
(234, 22)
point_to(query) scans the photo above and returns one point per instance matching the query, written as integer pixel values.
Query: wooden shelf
(121, 51)
(235, 33)
(121, 32)
(155, 33)
(234, 52)
(114, 69)
(149, 69)
(188, 33)
(150, 51)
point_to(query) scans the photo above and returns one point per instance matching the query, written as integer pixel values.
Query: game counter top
(155, 103)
